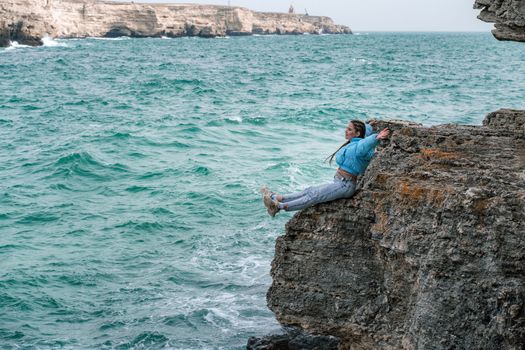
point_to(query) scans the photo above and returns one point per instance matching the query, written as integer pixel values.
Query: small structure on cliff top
(27, 21)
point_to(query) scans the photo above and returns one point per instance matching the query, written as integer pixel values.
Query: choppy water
(129, 169)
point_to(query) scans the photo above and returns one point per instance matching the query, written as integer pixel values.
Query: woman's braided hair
(361, 131)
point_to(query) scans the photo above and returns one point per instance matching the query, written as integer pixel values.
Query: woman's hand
(384, 133)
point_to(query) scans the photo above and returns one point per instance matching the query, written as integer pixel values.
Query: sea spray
(50, 42)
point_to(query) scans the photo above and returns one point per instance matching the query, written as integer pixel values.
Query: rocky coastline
(28, 21)
(427, 255)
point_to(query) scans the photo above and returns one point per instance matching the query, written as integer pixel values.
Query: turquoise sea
(129, 169)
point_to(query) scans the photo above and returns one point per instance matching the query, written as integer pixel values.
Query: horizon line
(419, 31)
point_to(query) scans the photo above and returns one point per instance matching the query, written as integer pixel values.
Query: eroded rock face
(508, 16)
(430, 252)
(29, 20)
(505, 117)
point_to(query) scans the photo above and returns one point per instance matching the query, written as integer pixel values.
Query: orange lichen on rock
(433, 153)
(481, 205)
(413, 193)
(382, 178)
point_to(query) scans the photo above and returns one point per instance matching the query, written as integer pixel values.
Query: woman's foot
(271, 205)
(274, 196)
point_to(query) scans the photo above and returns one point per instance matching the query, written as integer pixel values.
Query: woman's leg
(285, 198)
(319, 194)
(279, 197)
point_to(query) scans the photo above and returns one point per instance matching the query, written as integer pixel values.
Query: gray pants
(340, 188)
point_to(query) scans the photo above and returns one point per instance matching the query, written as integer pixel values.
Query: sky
(374, 15)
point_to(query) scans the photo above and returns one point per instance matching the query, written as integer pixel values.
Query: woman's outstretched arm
(369, 143)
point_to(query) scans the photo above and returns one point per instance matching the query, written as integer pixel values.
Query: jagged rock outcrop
(429, 253)
(27, 21)
(293, 339)
(504, 117)
(508, 16)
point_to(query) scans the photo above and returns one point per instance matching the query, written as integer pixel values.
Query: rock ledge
(508, 16)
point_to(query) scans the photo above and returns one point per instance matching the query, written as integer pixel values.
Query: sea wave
(13, 45)
(109, 39)
(51, 42)
(83, 164)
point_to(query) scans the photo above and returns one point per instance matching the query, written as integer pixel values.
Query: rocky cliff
(430, 252)
(27, 21)
(508, 16)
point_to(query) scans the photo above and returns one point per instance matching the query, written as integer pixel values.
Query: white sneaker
(273, 206)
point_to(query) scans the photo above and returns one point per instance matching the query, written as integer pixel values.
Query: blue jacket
(355, 156)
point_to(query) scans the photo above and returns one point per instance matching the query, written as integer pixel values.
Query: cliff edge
(429, 253)
(27, 21)
(508, 16)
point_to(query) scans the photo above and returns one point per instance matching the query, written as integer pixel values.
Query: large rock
(293, 339)
(504, 118)
(430, 252)
(30, 20)
(508, 16)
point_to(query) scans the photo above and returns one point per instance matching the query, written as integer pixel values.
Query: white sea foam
(218, 316)
(236, 118)
(15, 45)
(253, 270)
(294, 173)
(165, 37)
(222, 310)
(50, 42)
(47, 42)
(361, 61)
(112, 39)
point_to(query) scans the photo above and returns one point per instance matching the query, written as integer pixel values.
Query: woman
(352, 158)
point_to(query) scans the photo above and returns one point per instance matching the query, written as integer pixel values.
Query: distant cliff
(27, 21)
(429, 254)
(508, 16)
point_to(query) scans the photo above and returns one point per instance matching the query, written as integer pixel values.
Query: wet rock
(429, 253)
(19, 32)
